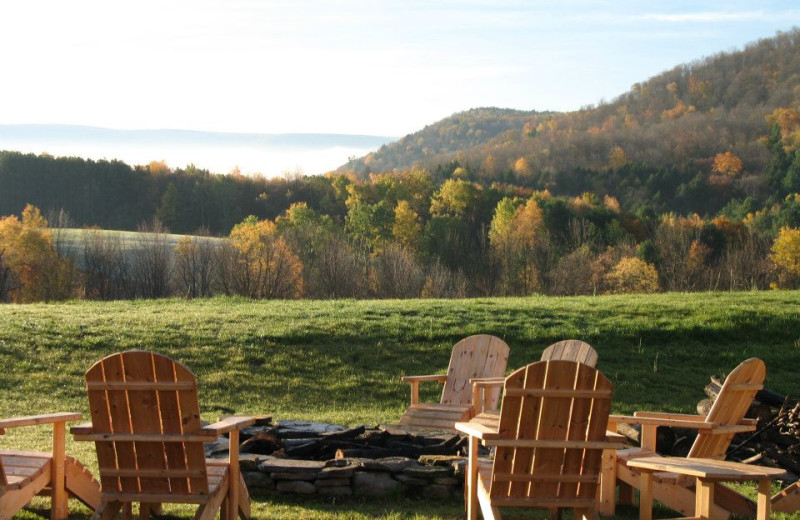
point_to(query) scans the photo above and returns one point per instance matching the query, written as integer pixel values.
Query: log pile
(776, 440)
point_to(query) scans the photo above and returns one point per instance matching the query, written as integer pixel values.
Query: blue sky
(358, 66)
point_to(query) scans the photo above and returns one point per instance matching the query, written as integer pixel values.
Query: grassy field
(340, 361)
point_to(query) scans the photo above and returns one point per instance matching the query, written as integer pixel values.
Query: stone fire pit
(282, 457)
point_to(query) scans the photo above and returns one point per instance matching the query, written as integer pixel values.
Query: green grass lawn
(341, 361)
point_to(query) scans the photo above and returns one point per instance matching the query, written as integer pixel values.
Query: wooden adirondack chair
(149, 440)
(571, 350)
(550, 438)
(477, 356)
(715, 431)
(565, 350)
(25, 474)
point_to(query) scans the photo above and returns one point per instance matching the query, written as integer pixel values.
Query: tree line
(532, 244)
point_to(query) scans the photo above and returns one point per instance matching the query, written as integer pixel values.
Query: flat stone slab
(249, 461)
(296, 486)
(440, 460)
(437, 492)
(375, 484)
(276, 465)
(390, 464)
(411, 481)
(293, 475)
(336, 491)
(347, 462)
(427, 472)
(333, 472)
(303, 429)
(332, 482)
(256, 479)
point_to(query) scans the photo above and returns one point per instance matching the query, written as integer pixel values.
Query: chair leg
(488, 511)
(107, 510)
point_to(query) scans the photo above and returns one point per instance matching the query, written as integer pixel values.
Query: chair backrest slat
(476, 356)
(730, 407)
(566, 473)
(571, 350)
(146, 409)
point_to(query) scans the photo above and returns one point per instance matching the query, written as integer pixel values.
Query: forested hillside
(689, 182)
(654, 146)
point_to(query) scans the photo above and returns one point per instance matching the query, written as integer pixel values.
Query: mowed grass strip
(341, 361)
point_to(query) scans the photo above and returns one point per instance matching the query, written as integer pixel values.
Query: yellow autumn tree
(632, 275)
(617, 158)
(263, 264)
(785, 254)
(407, 227)
(31, 269)
(514, 234)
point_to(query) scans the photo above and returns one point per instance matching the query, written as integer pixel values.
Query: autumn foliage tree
(30, 267)
(786, 256)
(514, 234)
(263, 265)
(632, 275)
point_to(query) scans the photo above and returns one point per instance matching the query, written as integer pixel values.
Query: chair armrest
(84, 428)
(436, 377)
(488, 381)
(478, 430)
(32, 420)
(548, 444)
(671, 416)
(228, 424)
(650, 421)
(483, 389)
(414, 381)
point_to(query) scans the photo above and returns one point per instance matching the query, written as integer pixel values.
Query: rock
(390, 464)
(440, 460)
(437, 492)
(427, 472)
(333, 472)
(459, 467)
(249, 461)
(256, 479)
(332, 482)
(217, 449)
(276, 465)
(375, 484)
(347, 462)
(296, 486)
(336, 491)
(302, 429)
(447, 481)
(411, 481)
(294, 475)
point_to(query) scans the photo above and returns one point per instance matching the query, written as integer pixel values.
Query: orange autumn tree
(263, 265)
(30, 268)
(727, 164)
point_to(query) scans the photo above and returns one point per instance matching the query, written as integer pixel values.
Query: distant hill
(443, 139)
(218, 151)
(677, 120)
